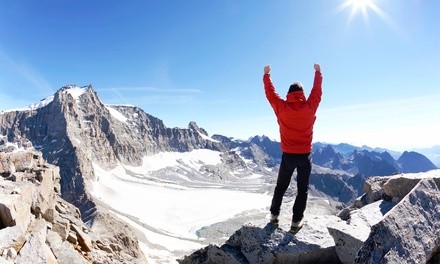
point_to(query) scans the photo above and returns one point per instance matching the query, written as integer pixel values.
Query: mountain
(346, 149)
(259, 149)
(93, 144)
(38, 226)
(367, 162)
(75, 129)
(411, 161)
(432, 153)
(174, 188)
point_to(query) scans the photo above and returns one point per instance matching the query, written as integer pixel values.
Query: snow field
(173, 214)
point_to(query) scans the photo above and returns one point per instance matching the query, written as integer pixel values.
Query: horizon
(204, 62)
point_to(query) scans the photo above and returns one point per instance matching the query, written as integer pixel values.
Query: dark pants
(290, 162)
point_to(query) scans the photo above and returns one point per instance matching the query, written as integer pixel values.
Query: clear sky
(203, 61)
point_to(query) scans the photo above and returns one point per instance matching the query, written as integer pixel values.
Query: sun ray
(364, 6)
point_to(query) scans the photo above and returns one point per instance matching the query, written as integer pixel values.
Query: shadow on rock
(251, 244)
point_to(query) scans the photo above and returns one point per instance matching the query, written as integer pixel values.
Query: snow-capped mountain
(168, 183)
(177, 188)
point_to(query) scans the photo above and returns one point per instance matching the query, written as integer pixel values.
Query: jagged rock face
(334, 186)
(411, 161)
(369, 165)
(395, 221)
(410, 232)
(76, 129)
(260, 150)
(38, 226)
(327, 157)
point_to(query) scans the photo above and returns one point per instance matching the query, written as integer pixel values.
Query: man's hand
(317, 67)
(267, 69)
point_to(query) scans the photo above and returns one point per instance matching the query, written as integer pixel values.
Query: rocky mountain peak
(74, 129)
(193, 126)
(411, 161)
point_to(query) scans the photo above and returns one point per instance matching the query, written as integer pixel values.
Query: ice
(116, 114)
(170, 216)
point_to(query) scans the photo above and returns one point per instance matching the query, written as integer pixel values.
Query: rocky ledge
(38, 226)
(397, 220)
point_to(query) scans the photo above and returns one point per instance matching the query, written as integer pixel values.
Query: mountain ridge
(76, 131)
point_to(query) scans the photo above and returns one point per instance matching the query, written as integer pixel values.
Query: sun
(365, 7)
(360, 4)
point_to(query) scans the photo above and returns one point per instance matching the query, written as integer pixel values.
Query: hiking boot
(274, 219)
(296, 226)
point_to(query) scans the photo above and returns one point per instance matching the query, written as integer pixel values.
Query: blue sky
(203, 61)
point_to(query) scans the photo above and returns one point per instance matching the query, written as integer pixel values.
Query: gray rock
(63, 250)
(410, 232)
(12, 237)
(399, 187)
(350, 235)
(84, 240)
(35, 250)
(35, 223)
(252, 244)
(5, 261)
(15, 211)
(62, 227)
(348, 240)
(210, 254)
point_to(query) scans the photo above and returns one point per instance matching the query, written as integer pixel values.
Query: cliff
(38, 226)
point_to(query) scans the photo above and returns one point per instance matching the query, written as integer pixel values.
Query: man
(296, 116)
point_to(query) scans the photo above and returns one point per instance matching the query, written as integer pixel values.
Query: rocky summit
(397, 220)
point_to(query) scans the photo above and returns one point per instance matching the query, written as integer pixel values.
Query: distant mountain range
(340, 170)
(432, 153)
(74, 130)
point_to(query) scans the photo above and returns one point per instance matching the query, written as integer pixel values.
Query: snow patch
(13, 145)
(42, 103)
(195, 159)
(419, 175)
(207, 137)
(116, 114)
(75, 91)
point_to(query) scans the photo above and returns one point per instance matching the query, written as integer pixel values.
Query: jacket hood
(297, 96)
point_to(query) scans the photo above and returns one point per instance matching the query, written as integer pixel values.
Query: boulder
(64, 250)
(253, 244)
(44, 200)
(350, 235)
(399, 187)
(12, 237)
(211, 254)
(15, 210)
(410, 232)
(35, 250)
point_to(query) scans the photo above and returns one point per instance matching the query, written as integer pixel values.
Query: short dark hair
(295, 87)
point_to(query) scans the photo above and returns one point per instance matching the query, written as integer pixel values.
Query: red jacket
(296, 115)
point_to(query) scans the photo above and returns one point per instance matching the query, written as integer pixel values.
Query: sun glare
(364, 7)
(360, 4)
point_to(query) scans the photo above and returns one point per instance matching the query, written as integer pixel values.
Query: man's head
(295, 87)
